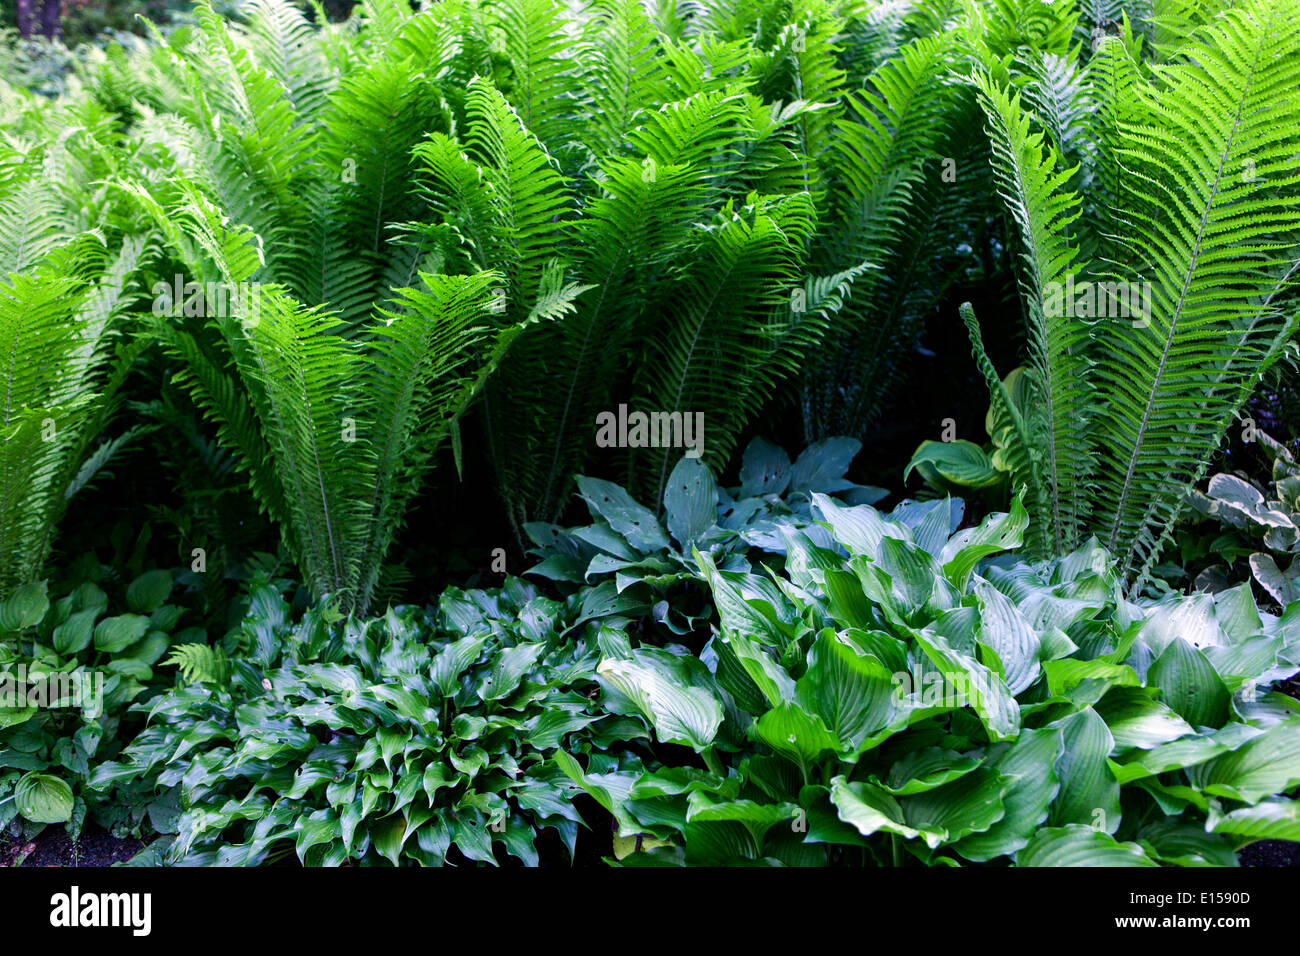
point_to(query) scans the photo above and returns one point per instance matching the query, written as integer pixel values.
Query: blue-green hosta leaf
(794, 733)
(1191, 618)
(43, 798)
(1237, 613)
(859, 528)
(1089, 793)
(997, 532)
(974, 683)
(1004, 629)
(852, 693)
(1137, 720)
(672, 692)
(822, 465)
(1078, 845)
(633, 521)
(764, 469)
(118, 633)
(690, 500)
(1269, 820)
(1263, 766)
(1190, 685)
(319, 827)
(1248, 664)
(1030, 766)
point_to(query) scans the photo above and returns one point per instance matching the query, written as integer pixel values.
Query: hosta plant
(70, 668)
(641, 562)
(1268, 519)
(392, 739)
(905, 696)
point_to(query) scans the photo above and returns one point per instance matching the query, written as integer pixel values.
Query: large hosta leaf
(1078, 845)
(1266, 765)
(851, 692)
(672, 692)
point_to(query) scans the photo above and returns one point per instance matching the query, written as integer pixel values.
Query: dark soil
(53, 847)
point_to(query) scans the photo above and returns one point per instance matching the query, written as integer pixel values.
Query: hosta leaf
(997, 532)
(869, 809)
(690, 500)
(74, 634)
(1029, 766)
(1089, 793)
(147, 593)
(980, 687)
(852, 693)
(1136, 720)
(1078, 845)
(633, 521)
(452, 661)
(764, 469)
(954, 465)
(42, 798)
(24, 607)
(1186, 844)
(671, 692)
(114, 634)
(925, 769)
(1269, 820)
(793, 732)
(1190, 685)
(1266, 765)
(1004, 629)
(822, 465)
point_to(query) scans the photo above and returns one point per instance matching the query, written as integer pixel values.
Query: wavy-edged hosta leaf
(1263, 766)
(1268, 820)
(1078, 845)
(1001, 531)
(974, 683)
(852, 693)
(672, 692)
(1089, 793)
(1004, 629)
(1030, 766)
(1137, 720)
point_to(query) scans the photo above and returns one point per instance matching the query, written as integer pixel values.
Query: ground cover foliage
(292, 307)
